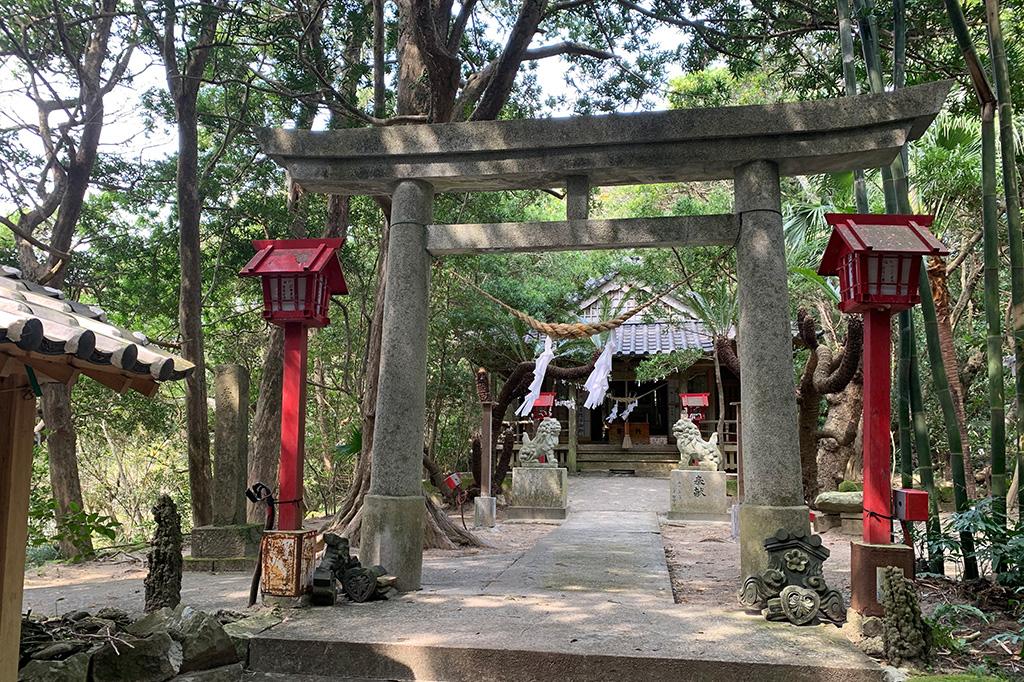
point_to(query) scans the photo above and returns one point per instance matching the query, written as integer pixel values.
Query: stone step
(287, 659)
(660, 469)
(627, 457)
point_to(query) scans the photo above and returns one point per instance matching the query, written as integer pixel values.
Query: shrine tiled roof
(649, 338)
(60, 338)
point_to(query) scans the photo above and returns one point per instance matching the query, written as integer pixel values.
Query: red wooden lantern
(543, 406)
(878, 259)
(694, 406)
(299, 278)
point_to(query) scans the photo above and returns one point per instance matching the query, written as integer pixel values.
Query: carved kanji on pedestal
(793, 588)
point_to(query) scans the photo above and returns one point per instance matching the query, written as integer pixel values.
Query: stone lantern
(878, 261)
(299, 277)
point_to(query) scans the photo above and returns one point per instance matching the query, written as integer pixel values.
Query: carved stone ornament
(792, 588)
(539, 451)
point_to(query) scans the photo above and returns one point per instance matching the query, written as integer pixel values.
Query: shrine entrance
(752, 145)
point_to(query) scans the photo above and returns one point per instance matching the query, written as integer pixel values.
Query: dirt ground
(703, 561)
(121, 564)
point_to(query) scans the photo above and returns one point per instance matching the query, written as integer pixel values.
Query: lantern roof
(298, 257)
(865, 233)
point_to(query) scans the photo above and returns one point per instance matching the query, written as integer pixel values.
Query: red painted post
(877, 463)
(293, 427)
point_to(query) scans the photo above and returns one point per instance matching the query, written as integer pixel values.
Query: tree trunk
(833, 456)
(190, 309)
(940, 293)
(720, 428)
(61, 444)
(809, 409)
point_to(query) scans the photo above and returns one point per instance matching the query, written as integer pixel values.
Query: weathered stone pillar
(230, 444)
(393, 510)
(772, 486)
(229, 543)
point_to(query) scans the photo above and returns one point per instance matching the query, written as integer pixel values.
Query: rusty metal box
(288, 562)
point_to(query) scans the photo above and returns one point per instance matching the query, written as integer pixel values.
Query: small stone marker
(793, 588)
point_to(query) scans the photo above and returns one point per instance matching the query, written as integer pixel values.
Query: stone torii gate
(752, 145)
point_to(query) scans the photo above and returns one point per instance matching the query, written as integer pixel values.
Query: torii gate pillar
(772, 483)
(393, 511)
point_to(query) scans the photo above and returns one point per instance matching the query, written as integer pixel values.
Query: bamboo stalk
(1000, 69)
(956, 455)
(860, 187)
(936, 561)
(993, 316)
(903, 401)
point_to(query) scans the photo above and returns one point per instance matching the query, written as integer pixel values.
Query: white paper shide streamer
(629, 408)
(614, 413)
(539, 370)
(597, 382)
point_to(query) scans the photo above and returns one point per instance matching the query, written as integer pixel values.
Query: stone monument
(229, 544)
(540, 488)
(697, 489)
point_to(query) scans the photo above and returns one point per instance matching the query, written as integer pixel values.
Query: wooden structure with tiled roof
(47, 338)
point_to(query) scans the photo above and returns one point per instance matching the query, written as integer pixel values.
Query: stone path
(591, 600)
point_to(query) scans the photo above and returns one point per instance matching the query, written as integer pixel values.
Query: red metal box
(910, 505)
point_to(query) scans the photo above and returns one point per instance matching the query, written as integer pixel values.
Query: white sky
(126, 133)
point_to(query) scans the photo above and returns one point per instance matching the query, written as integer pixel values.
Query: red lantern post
(299, 277)
(878, 261)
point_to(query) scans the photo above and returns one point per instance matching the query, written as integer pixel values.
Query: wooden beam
(17, 415)
(583, 235)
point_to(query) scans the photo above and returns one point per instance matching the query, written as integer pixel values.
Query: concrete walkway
(591, 600)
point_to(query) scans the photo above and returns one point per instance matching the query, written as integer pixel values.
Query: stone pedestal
(224, 548)
(392, 537)
(539, 493)
(758, 522)
(865, 562)
(484, 512)
(698, 495)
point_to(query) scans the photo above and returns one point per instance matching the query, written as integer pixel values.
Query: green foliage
(850, 486)
(995, 545)
(658, 367)
(79, 526)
